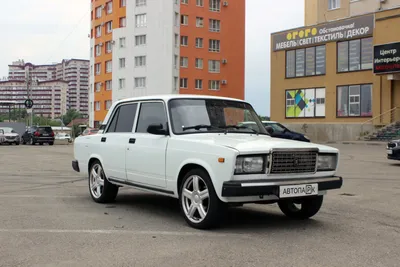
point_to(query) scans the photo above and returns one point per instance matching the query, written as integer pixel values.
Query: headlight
(327, 162)
(249, 165)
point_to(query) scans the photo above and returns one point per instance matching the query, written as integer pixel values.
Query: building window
(98, 50)
(184, 83)
(305, 103)
(109, 27)
(108, 47)
(200, 3)
(215, 5)
(176, 62)
(184, 41)
(109, 7)
(333, 4)
(354, 101)
(355, 55)
(176, 19)
(122, 63)
(184, 19)
(199, 42)
(175, 83)
(186, 2)
(97, 87)
(214, 85)
(122, 3)
(199, 63)
(214, 45)
(140, 40)
(122, 42)
(214, 25)
(107, 104)
(97, 68)
(140, 61)
(109, 85)
(97, 105)
(140, 2)
(214, 66)
(98, 31)
(108, 66)
(140, 82)
(122, 22)
(306, 62)
(98, 12)
(184, 62)
(141, 20)
(121, 83)
(199, 22)
(198, 84)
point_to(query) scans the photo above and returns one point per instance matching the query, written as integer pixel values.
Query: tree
(71, 114)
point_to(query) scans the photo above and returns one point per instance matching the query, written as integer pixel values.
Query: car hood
(251, 143)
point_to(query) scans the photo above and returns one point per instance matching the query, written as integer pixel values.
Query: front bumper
(271, 187)
(75, 165)
(394, 153)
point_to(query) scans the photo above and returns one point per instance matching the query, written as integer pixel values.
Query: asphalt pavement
(47, 218)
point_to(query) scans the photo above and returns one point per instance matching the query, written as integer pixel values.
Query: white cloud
(35, 30)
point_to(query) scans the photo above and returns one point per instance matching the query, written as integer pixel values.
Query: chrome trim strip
(292, 182)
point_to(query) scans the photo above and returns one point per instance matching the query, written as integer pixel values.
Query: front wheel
(302, 208)
(199, 203)
(101, 190)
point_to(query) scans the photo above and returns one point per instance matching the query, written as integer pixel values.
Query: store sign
(387, 58)
(324, 33)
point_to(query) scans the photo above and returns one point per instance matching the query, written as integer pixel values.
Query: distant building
(49, 97)
(74, 71)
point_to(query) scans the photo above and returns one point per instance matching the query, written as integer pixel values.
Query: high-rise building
(73, 71)
(147, 47)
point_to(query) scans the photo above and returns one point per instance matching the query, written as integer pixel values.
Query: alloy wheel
(195, 199)
(96, 181)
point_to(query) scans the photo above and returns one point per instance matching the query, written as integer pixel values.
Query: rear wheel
(302, 208)
(199, 203)
(101, 190)
(17, 143)
(51, 143)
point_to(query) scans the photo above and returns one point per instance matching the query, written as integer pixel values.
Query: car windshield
(213, 115)
(8, 130)
(276, 126)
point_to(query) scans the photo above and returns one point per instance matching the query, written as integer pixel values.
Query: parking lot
(47, 218)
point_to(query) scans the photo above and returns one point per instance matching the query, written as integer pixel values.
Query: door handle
(132, 140)
(103, 139)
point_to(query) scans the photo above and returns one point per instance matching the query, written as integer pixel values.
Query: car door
(113, 141)
(145, 155)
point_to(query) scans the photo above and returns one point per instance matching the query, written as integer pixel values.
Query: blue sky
(46, 31)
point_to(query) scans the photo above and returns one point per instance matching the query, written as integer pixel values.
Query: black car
(393, 150)
(275, 129)
(38, 135)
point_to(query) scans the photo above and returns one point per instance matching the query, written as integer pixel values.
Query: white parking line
(131, 232)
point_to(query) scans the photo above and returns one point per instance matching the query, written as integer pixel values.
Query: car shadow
(237, 219)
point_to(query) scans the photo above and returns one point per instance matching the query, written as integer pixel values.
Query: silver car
(10, 136)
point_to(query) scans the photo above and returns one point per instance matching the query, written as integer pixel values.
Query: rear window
(44, 129)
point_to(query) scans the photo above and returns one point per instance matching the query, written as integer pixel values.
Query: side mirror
(269, 129)
(157, 129)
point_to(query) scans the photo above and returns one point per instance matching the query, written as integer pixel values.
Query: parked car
(190, 147)
(38, 135)
(63, 136)
(10, 136)
(2, 138)
(393, 150)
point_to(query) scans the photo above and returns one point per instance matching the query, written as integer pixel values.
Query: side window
(152, 112)
(122, 121)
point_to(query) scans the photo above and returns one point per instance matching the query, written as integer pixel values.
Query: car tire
(100, 189)
(309, 207)
(32, 142)
(51, 143)
(197, 196)
(17, 143)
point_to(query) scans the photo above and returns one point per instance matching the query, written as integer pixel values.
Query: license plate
(45, 134)
(390, 152)
(298, 190)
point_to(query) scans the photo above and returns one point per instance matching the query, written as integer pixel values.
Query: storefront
(340, 72)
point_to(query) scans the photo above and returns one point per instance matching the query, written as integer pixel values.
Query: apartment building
(147, 47)
(340, 73)
(49, 96)
(73, 71)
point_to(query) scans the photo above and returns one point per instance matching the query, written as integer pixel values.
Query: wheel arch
(93, 158)
(190, 165)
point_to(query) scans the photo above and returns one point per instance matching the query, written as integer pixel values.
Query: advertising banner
(387, 58)
(328, 32)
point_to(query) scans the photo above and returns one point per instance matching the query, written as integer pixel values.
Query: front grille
(391, 145)
(10, 137)
(293, 162)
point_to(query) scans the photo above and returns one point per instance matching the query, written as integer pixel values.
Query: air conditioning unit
(224, 61)
(224, 82)
(225, 3)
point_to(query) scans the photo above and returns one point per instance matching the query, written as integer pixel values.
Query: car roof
(269, 122)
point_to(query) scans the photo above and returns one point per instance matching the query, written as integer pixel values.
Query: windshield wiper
(200, 126)
(239, 127)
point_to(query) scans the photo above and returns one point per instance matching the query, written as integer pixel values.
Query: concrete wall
(321, 132)
(19, 127)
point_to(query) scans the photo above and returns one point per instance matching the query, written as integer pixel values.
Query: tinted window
(122, 122)
(44, 129)
(151, 113)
